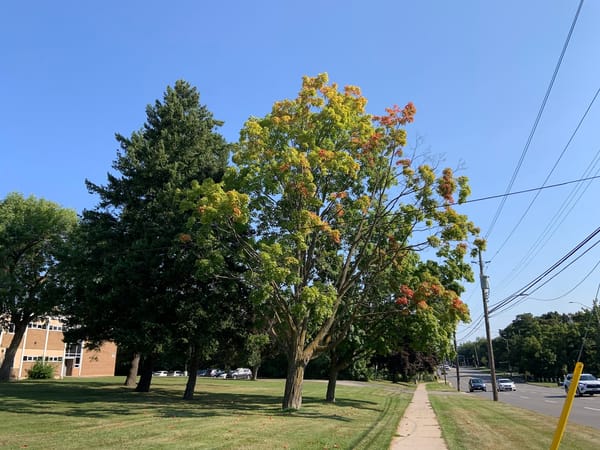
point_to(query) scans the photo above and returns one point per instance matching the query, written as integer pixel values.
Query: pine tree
(131, 266)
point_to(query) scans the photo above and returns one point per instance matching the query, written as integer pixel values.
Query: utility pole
(485, 292)
(457, 364)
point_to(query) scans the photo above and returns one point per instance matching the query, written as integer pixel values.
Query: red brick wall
(99, 363)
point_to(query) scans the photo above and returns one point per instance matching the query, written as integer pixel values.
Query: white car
(160, 373)
(505, 384)
(588, 384)
(176, 373)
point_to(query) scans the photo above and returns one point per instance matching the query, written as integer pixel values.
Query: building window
(53, 358)
(73, 350)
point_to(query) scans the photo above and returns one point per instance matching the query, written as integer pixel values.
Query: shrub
(41, 371)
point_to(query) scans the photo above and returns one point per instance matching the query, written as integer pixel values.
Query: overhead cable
(523, 291)
(536, 122)
(510, 235)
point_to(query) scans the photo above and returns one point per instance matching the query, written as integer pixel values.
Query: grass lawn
(226, 414)
(473, 423)
(440, 386)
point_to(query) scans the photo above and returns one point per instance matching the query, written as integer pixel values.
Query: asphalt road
(544, 400)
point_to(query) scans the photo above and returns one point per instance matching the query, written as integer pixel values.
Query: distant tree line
(544, 347)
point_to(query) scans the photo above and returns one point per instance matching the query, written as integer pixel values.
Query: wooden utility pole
(485, 292)
(457, 364)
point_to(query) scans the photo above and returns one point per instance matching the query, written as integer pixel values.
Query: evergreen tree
(131, 272)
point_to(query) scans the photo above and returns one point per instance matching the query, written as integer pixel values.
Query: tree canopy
(336, 207)
(33, 233)
(141, 285)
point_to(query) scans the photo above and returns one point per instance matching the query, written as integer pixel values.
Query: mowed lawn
(226, 414)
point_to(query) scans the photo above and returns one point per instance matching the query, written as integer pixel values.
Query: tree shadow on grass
(98, 399)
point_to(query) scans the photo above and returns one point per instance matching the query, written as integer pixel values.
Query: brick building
(43, 341)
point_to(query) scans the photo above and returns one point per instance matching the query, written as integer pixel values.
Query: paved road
(545, 400)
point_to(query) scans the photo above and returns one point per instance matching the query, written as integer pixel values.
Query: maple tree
(336, 208)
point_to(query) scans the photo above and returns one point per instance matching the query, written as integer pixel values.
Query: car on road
(476, 384)
(588, 384)
(176, 373)
(505, 384)
(160, 373)
(241, 373)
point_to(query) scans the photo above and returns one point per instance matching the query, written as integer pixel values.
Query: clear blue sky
(73, 73)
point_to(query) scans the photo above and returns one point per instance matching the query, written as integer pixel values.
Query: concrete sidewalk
(419, 428)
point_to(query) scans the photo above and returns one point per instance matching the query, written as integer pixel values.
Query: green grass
(440, 386)
(473, 423)
(226, 414)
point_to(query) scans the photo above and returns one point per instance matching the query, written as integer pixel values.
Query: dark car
(476, 384)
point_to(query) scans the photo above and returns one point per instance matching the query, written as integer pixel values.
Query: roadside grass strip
(473, 423)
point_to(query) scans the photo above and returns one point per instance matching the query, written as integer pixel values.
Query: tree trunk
(255, 372)
(145, 374)
(331, 384)
(297, 361)
(334, 370)
(11, 351)
(133, 370)
(190, 386)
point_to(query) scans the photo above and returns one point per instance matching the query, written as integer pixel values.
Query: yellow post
(564, 416)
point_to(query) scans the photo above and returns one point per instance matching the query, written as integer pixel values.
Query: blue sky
(75, 73)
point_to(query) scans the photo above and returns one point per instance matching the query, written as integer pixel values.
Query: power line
(523, 291)
(510, 235)
(471, 329)
(525, 297)
(559, 217)
(536, 122)
(525, 191)
(570, 290)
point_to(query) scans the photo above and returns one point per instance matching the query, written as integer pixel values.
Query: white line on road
(550, 401)
(593, 409)
(522, 396)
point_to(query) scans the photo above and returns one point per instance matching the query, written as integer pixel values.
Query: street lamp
(585, 307)
(593, 309)
(507, 351)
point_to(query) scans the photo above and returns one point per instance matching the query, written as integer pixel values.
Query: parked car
(240, 373)
(208, 372)
(505, 384)
(160, 373)
(476, 384)
(220, 374)
(588, 384)
(176, 373)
